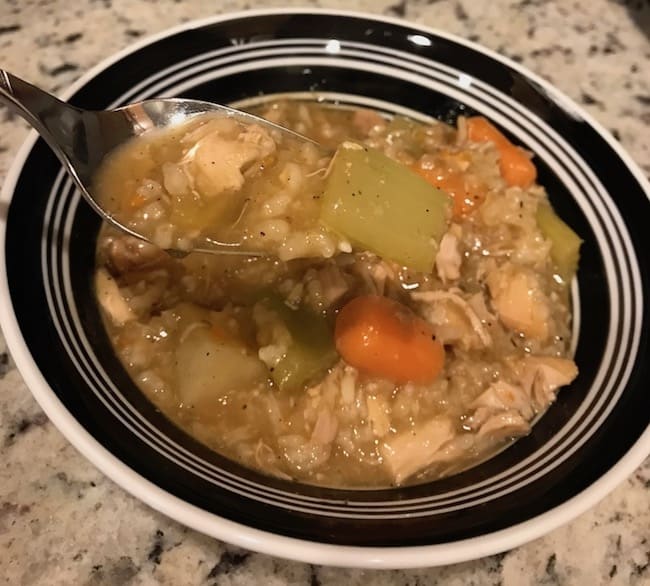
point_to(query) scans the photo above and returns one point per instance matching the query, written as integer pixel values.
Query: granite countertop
(63, 522)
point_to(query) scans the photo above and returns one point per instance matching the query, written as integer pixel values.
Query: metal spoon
(82, 138)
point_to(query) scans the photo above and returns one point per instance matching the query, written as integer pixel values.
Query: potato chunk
(208, 366)
(518, 298)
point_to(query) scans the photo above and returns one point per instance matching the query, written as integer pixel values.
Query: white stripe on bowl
(463, 98)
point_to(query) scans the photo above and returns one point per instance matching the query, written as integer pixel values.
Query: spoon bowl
(82, 139)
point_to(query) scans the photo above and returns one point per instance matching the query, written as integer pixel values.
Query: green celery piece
(565, 243)
(382, 206)
(311, 352)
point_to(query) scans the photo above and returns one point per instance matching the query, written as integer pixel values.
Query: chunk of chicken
(413, 450)
(216, 163)
(451, 325)
(475, 420)
(325, 428)
(453, 319)
(504, 396)
(519, 300)
(267, 459)
(448, 258)
(333, 284)
(543, 375)
(504, 424)
(256, 136)
(375, 274)
(110, 298)
(455, 451)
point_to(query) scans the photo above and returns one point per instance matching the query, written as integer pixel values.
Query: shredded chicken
(333, 284)
(325, 429)
(375, 273)
(267, 459)
(204, 340)
(504, 396)
(475, 420)
(111, 299)
(504, 424)
(447, 324)
(455, 450)
(348, 385)
(413, 450)
(543, 375)
(216, 162)
(448, 258)
(519, 301)
(478, 305)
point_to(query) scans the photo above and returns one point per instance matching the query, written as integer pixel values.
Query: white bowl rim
(256, 539)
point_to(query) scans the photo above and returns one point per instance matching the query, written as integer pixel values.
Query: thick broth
(245, 354)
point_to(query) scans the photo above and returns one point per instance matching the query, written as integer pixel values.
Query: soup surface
(412, 316)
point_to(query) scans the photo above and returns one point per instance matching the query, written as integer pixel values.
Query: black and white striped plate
(592, 437)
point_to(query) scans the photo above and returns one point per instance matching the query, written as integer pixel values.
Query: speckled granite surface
(63, 522)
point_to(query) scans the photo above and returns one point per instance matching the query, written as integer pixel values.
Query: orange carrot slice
(453, 184)
(384, 338)
(514, 163)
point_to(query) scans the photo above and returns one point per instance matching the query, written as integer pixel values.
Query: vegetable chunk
(565, 243)
(518, 298)
(515, 164)
(207, 366)
(382, 206)
(384, 338)
(308, 350)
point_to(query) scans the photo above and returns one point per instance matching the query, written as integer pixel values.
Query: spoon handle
(53, 119)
